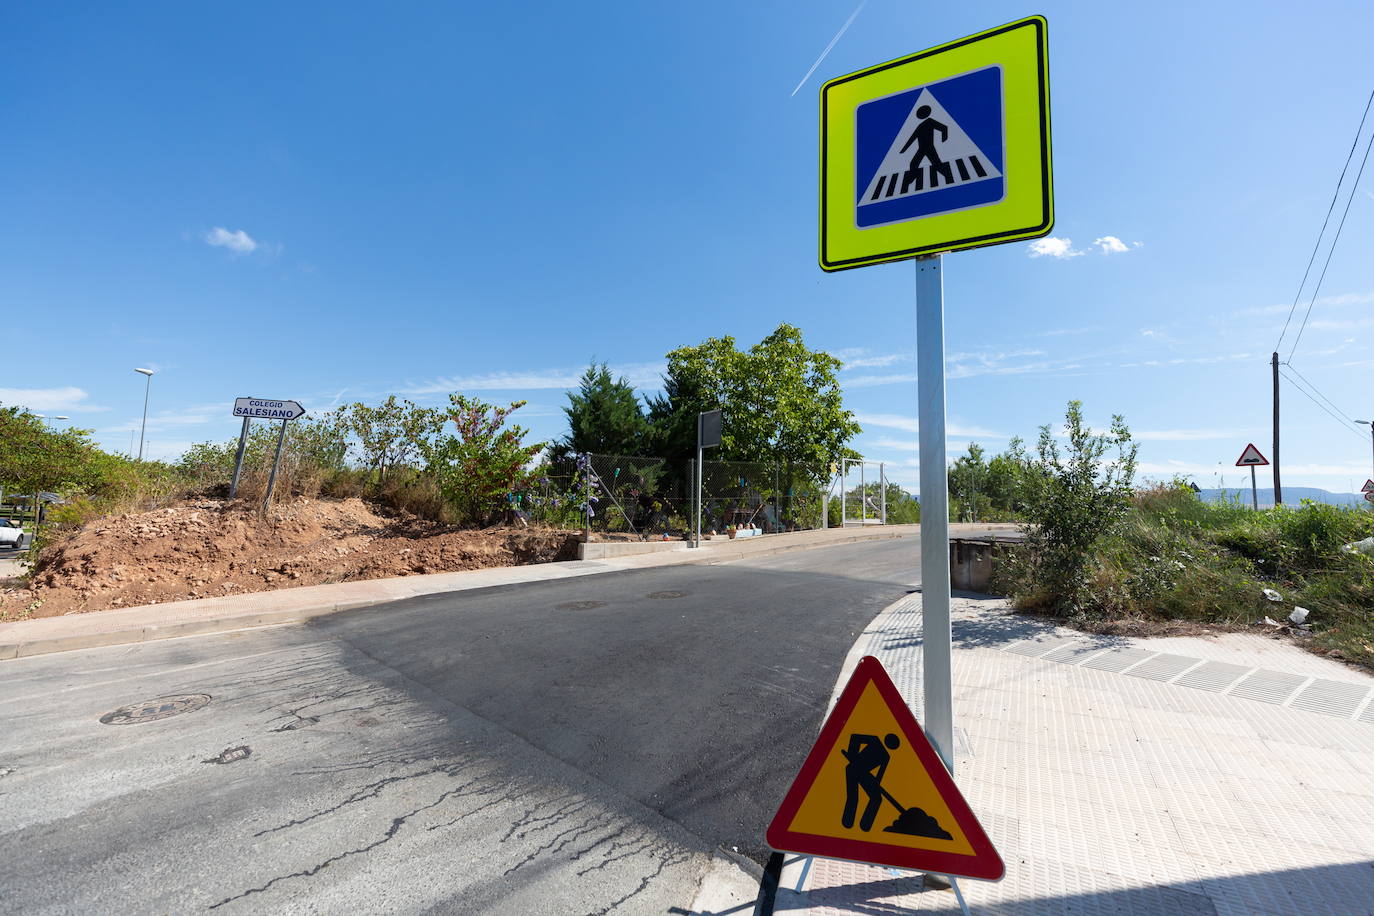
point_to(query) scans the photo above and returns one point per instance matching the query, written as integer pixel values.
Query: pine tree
(604, 418)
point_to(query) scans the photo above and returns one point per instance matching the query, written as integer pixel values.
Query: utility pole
(1278, 487)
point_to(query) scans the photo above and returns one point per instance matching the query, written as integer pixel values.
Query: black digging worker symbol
(868, 760)
(924, 138)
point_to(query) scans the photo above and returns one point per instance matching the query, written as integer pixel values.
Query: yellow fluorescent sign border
(1025, 211)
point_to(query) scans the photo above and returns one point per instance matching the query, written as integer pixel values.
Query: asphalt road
(577, 746)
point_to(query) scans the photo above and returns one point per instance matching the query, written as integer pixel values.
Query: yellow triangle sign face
(873, 789)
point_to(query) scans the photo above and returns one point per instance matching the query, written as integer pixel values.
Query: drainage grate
(578, 605)
(1071, 654)
(660, 596)
(1035, 649)
(1212, 676)
(1268, 686)
(152, 710)
(1117, 659)
(1331, 698)
(1163, 667)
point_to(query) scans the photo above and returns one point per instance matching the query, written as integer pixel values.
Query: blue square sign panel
(934, 149)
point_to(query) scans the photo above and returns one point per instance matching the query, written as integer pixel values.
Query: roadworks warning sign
(873, 789)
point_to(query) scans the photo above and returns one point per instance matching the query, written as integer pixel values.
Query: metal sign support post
(882, 483)
(1254, 493)
(276, 462)
(238, 458)
(844, 480)
(936, 666)
(863, 495)
(696, 541)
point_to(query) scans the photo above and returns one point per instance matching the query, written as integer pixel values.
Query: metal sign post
(709, 425)
(936, 636)
(276, 463)
(1254, 493)
(238, 458)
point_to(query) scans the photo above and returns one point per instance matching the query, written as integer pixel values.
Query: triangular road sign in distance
(1251, 456)
(873, 789)
(1368, 487)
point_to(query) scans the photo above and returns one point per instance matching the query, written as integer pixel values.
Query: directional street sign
(1251, 457)
(873, 789)
(1368, 487)
(943, 150)
(263, 408)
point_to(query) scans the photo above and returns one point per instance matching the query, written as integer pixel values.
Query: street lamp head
(1365, 422)
(61, 417)
(144, 371)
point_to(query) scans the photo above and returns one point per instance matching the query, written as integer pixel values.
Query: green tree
(36, 458)
(1076, 498)
(968, 485)
(479, 465)
(604, 418)
(391, 434)
(782, 402)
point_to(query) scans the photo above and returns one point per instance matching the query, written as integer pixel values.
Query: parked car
(12, 533)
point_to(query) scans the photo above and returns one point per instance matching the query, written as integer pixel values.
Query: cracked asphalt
(580, 746)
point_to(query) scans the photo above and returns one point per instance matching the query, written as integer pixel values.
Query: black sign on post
(708, 429)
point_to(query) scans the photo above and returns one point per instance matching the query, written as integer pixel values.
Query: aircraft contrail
(838, 35)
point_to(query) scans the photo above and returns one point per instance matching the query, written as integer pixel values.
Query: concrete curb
(144, 624)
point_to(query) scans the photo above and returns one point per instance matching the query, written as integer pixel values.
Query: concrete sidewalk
(1227, 775)
(292, 605)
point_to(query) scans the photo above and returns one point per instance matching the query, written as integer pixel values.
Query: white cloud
(643, 375)
(1053, 248)
(910, 425)
(238, 241)
(875, 362)
(1110, 244)
(1184, 435)
(38, 400)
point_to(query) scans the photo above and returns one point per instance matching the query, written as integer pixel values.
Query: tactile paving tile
(1163, 667)
(1117, 659)
(1331, 698)
(1368, 714)
(1213, 676)
(1072, 653)
(1035, 648)
(1268, 686)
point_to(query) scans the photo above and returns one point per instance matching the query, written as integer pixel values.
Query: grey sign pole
(930, 383)
(882, 482)
(709, 428)
(276, 462)
(238, 458)
(1254, 493)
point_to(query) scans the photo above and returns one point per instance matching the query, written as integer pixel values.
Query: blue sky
(333, 202)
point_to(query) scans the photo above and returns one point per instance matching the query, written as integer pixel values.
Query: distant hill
(1292, 496)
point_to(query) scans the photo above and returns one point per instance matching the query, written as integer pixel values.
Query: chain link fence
(648, 497)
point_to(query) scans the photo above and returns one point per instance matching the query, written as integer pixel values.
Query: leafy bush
(477, 469)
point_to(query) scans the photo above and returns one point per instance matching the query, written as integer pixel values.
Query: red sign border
(985, 863)
(1263, 461)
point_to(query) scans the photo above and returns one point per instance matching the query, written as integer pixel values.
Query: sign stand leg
(696, 542)
(937, 672)
(954, 883)
(276, 462)
(1254, 493)
(238, 459)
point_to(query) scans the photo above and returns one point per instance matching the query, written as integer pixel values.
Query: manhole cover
(662, 595)
(152, 710)
(579, 605)
(230, 755)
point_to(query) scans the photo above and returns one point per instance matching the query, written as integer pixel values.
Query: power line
(1317, 391)
(1318, 288)
(1329, 210)
(1321, 405)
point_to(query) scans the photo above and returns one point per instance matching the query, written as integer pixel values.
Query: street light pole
(146, 389)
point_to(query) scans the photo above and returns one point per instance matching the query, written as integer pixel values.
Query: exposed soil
(210, 548)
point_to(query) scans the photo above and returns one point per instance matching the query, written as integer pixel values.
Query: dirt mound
(210, 548)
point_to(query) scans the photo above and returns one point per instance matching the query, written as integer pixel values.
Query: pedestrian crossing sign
(943, 150)
(874, 790)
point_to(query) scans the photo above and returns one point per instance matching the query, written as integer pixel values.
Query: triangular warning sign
(1250, 456)
(1368, 487)
(929, 153)
(873, 789)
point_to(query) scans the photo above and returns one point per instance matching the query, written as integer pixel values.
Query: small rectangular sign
(708, 429)
(267, 409)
